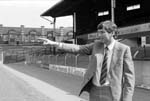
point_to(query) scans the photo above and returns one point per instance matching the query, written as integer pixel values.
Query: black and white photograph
(74, 50)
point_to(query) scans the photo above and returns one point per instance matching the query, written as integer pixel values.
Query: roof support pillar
(113, 4)
(74, 27)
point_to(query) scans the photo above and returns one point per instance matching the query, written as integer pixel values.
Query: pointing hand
(47, 41)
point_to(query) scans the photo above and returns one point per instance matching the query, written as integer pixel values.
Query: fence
(13, 55)
(73, 64)
(45, 55)
(77, 64)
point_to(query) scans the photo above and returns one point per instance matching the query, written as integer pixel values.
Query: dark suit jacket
(121, 68)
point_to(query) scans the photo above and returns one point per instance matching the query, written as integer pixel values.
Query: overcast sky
(14, 13)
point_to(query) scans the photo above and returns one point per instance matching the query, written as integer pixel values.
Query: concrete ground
(59, 86)
(14, 89)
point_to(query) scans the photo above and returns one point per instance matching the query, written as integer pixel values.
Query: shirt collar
(111, 45)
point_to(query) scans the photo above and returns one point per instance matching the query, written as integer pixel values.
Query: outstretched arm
(72, 48)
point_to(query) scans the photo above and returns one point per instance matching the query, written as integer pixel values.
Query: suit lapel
(114, 57)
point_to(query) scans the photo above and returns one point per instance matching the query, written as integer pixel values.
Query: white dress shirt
(96, 77)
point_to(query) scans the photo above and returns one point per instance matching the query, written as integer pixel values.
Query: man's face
(104, 36)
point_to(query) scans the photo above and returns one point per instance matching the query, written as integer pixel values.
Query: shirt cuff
(59, 44)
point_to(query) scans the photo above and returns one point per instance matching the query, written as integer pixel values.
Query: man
(110, 75)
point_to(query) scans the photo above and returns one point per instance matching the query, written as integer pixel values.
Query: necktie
(104, 68)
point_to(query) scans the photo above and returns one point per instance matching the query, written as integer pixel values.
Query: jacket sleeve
(76, 49)
(129, 76)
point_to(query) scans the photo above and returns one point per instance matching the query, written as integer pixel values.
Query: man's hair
(108, 25)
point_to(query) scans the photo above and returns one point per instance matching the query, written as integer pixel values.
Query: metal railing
(80, 61)
(45, 56)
